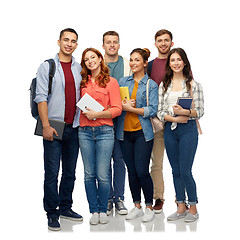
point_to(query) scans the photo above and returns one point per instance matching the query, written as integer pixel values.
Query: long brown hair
(102, 78)
(187, 73)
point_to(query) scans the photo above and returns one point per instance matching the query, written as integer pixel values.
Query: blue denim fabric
(117, 176)
(137, 153)
(67, 151)
(181, 145)
(96, 145)
(141, 102)
(56, 100)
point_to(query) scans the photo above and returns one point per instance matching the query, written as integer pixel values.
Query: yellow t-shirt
(132, 122)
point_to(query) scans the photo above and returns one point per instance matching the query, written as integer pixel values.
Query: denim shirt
(141, 102)
(56, 100)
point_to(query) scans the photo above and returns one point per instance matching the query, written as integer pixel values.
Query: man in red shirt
(61, 106)
(156, 71)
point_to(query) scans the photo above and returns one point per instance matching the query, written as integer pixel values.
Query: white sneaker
(134, 213)
(148, 215)
(94, 220)
(103, 218)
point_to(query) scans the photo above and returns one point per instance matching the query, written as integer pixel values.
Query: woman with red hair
(96, 134)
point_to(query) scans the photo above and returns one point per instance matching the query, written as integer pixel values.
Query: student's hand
(178, 110)
(181, 119)
(133, 102)
(48, 132)
(90, 114)
(126, 104)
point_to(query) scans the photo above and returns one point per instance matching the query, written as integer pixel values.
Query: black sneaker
(71, 215)
(53, 224)
(109, 207)
(121, 209)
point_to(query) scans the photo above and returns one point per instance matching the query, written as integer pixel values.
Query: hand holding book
(183, 106)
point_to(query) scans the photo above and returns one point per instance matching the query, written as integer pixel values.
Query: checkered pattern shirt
(198, 99)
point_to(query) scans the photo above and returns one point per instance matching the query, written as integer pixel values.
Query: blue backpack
(33, 105)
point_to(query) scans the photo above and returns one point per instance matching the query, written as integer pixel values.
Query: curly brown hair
(186, 70)
(102, 78)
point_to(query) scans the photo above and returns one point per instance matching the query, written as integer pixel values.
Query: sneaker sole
(138, 215)
(72, 219)
(148, 220)
(54, 229)
(158, 211)
(175, 219)
(122, 212)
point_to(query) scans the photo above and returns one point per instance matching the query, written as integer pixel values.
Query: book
(89, 102)
(56, 124)
(185, 102)
(124, 92)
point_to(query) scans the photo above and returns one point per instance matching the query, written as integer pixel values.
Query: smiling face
(67, 44)
(176, 63)
(163, 43)
(136, 63)
(111, 45)
(92, 61)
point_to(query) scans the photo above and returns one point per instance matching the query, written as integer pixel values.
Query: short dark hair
(68, 30)
(112, 33)
(163, 31)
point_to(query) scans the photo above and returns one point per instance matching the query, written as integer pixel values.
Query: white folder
(88, 102)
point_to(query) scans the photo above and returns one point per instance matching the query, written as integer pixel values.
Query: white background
(207, 30)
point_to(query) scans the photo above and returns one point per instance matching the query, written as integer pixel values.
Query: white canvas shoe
(103, 218)
(148, 215)
(94, 220)
(134, 213)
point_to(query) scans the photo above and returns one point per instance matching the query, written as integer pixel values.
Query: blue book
(185, 102)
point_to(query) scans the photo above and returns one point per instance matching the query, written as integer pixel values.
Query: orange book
(124, 92)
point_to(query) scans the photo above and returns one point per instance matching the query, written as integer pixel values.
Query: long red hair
(102, 78)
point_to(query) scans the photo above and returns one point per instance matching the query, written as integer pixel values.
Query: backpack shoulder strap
(52, 69)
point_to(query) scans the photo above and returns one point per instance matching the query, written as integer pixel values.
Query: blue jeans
(96, 145)
(67, 151)
(181, 145)
(117, 176)
(137, 153)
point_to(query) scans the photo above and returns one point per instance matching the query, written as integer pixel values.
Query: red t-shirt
(158, 70)
(70, 93)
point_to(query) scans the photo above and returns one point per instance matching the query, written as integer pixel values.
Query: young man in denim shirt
(60, 105)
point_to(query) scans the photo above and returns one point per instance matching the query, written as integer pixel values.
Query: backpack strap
(52, 69)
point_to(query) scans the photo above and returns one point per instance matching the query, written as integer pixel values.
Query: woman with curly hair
(96, 134)
(181, 131)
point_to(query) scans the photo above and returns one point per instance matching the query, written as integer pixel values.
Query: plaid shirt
(198, 99)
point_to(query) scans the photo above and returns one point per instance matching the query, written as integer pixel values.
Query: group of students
(122, 131)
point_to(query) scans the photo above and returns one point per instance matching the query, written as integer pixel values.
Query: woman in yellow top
(134, 130)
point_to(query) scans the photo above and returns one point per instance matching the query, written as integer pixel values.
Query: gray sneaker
(120, 208)
(176, 216)
(109, 207)
(191, 218)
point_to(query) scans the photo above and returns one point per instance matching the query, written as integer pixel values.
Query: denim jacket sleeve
(151, 109)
